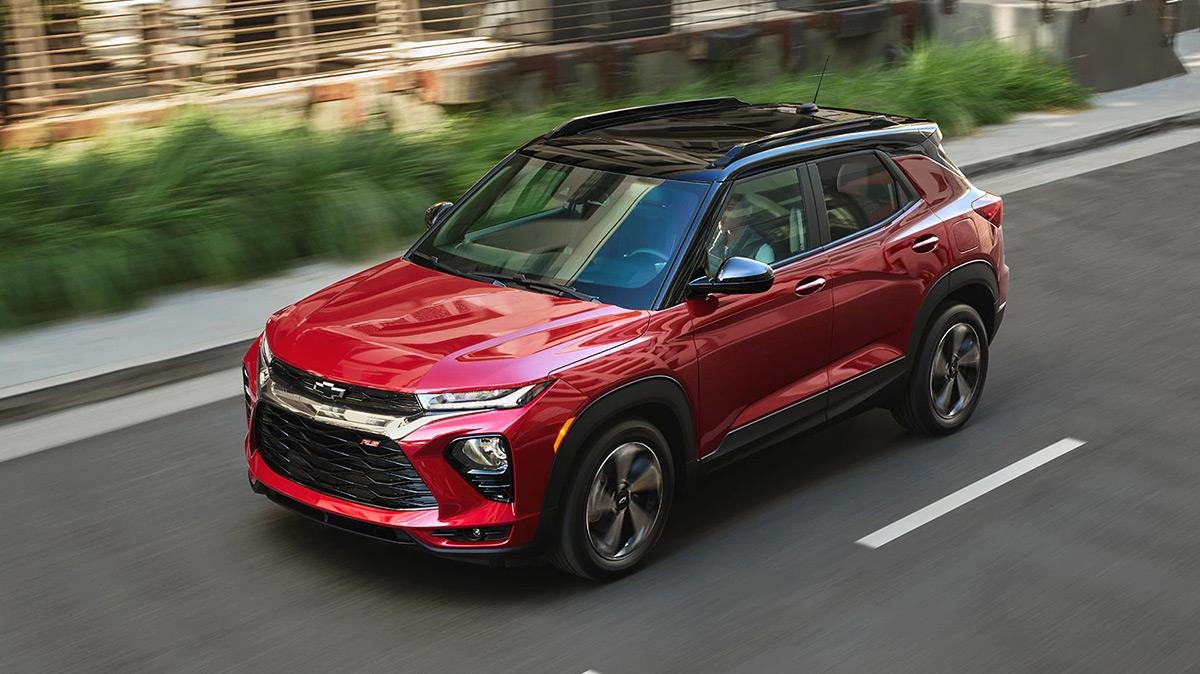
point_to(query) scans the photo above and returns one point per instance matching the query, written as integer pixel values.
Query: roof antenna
(809, 108)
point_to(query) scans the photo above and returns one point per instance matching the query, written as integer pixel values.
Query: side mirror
(435, 212)
(737, 276)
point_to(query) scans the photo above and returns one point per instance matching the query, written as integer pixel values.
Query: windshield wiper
(539, 284)
(503, 279)
(437, 264)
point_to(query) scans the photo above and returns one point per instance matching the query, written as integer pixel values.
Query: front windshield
(604, 235)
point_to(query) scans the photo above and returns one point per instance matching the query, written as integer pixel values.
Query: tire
(925, 405)
(583, 548)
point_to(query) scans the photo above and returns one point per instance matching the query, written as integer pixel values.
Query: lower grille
(347, 464)
(376, 531)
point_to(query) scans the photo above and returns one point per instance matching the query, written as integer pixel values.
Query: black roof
(694, 137)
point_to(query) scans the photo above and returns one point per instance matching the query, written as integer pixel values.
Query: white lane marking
(61, 428)
(968, 493)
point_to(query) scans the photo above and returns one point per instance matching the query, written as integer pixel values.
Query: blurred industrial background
(173, 171)
(348, 58)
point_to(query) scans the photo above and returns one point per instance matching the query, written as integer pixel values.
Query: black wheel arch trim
(975, 272)
(654, 389)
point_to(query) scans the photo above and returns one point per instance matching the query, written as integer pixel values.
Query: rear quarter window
(935, 183)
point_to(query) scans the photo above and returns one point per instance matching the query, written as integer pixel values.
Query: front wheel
(617, 505)
(947, 380)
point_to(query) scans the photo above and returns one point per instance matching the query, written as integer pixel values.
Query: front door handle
(925, 244)
(810, 285)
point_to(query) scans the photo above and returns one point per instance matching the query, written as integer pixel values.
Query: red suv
(618, 307)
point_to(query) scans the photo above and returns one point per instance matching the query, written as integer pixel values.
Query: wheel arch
(660, 400)
(973, 283)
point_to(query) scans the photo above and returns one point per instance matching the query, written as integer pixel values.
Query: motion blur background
(173, 171)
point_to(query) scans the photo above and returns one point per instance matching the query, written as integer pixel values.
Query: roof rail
(795, 135)
(626, 115)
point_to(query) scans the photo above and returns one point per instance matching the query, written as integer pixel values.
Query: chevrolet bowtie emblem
(330, 390)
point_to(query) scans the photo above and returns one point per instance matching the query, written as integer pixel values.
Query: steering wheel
(650, 251)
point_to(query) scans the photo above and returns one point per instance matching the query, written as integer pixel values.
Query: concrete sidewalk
(1116, 116)
(196, 332)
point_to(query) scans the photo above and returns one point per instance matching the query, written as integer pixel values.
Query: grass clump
(208, 202)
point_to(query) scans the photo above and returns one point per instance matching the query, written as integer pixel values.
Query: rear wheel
(616, 508)
(946, 381)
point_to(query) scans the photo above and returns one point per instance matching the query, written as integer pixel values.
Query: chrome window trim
(905, 210)
(831, 142)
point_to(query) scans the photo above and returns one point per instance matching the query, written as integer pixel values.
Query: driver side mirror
(737, 276)
(436, 212)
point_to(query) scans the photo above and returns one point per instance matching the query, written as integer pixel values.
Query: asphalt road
(144, 550)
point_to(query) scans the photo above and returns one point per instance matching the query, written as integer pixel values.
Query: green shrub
(207, 201)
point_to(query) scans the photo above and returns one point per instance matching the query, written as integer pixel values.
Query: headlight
(264, 360)
(490, 399)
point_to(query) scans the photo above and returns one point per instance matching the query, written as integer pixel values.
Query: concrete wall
(1189, 14)
(1107, 45)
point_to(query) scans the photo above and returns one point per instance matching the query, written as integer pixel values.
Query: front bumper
(446, 528)
(418, 527)
(506, 553)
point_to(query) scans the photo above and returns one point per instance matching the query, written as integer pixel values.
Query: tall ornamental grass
(211, 201)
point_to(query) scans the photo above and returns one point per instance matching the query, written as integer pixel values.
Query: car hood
(404, 327)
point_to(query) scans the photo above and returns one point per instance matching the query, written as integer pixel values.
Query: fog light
(474, 535)
(484, 461)
(487, 453)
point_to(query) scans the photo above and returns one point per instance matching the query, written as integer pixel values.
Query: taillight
(991, 207)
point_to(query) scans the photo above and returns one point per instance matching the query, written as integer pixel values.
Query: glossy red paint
(759, 353)
(404, 327)
(951, 199)
(400, 326)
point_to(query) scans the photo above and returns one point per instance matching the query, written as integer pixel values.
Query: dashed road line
(968, 493)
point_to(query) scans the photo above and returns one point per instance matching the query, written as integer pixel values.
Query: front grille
(346, 395)
(336, 461)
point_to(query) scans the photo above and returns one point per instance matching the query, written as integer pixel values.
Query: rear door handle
(925, 244)
(810, 285)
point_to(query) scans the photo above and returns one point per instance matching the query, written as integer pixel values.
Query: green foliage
(206, 201)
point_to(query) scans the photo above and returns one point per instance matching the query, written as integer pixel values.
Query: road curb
(123, 381)
(1081, 144)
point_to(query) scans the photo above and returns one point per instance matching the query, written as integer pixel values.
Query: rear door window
(859, 192)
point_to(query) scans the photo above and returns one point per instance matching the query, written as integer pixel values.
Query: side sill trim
(807, 413)
(795, 418)
(853, 392)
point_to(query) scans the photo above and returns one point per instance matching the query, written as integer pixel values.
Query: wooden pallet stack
(66, 55)
(255, 40)
(28, 72)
